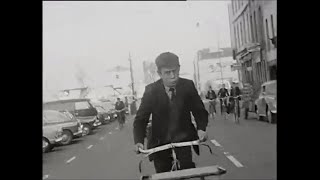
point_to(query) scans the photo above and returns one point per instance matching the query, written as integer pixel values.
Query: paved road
(247, 151)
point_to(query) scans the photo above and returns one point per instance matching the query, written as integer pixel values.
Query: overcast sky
(96, 36)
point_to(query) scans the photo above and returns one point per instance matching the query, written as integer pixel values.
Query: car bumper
(96, 124)
(57, 140)
(79, 133)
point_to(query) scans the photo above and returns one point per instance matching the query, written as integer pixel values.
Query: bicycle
(236, 108)
(223, 107)
(176, 172)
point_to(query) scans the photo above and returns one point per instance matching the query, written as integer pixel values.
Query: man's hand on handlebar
(137, 146)
(203, 136)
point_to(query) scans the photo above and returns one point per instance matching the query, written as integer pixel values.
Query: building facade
(253, 34)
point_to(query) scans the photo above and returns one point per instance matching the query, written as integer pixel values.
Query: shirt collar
(167, 88)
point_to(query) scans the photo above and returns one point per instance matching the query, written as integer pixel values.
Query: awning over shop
(272, 63)
(246, 53)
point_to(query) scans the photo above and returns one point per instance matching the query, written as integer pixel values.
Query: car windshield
(82, 105)
(60, 106)
(271, 88)
(99, 109)
(54, 117)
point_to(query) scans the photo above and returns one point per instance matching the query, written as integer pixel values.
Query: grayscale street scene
(160, 90)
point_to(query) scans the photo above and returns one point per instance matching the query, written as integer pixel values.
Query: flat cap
(167, 59)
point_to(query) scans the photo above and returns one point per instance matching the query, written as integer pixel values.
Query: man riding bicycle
(120, 108)
(170, 101)
(223, 92)
(211, 95)
(235, 91)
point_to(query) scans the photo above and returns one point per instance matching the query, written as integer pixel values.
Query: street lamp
(197, 61)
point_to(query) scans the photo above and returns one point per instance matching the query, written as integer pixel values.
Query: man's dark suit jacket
(155, 101)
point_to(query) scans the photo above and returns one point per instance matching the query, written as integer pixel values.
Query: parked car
(82, 109)
(70, 126)
(51, 135)
(103, 115)
(266, 104)
(110, 107)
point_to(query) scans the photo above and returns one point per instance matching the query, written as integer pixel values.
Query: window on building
(232, 6)
(244, 29)
(248, 28)
(267, 34)
(272, 26)
(260, 72)
(260, 23)
(264, 71)
(252, 30)
(241, 33)
(238, 38)
(235, 36)
(255, 27)
(237, 5)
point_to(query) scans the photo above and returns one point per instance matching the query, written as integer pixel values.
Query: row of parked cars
(65, 120)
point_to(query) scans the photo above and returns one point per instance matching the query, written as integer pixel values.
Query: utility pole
(131, 73)
(197, 60)
(133, 108)
(220, 63)
(219, 56)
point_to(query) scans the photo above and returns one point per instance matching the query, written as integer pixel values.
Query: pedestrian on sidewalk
(170, 101)
(211, 95)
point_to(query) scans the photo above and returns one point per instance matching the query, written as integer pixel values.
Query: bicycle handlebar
(148, 152)
(168, 146)
(235, 96)
(121, 110)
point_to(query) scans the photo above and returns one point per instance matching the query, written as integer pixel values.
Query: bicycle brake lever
(140, 166)
(209, 148)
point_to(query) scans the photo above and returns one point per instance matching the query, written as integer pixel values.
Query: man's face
(169, 76)
(223, 86)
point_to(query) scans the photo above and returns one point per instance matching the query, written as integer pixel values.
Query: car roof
(67, 100)
(51, 111)
(269, 82)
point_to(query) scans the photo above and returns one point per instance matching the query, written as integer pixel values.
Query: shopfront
(272, 67)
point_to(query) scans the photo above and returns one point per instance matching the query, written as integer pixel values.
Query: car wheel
(86, 129)
(46, 146)
(66, 137)
(271, 117)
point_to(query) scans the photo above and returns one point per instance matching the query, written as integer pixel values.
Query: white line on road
(215, 143)
(233, 160)
(89, 147)
(70, 159)
(45, 176)
(110, 132)
(101, 138)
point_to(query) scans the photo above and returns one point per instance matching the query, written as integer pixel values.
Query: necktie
(173, 96)
(173, 117)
